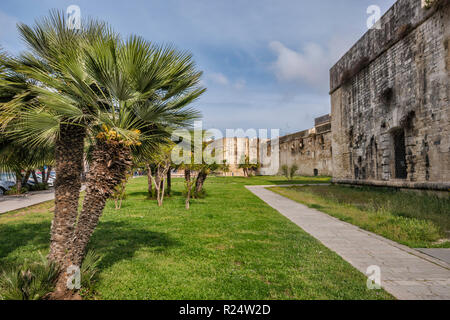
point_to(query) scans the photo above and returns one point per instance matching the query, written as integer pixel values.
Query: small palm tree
(289, 172)
(194, 173)
(249, 167)
(161, 161)
(204, 169)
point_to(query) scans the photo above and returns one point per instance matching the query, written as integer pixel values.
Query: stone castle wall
(310, 150)
(390, 101)
(234, 150)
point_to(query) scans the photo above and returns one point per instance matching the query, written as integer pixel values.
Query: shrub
(89, 269)
(289, 172)
(120, 194)
(29, 281)
(35, 281)
(292, 171)
(13, 191)
(285, 171)
(434, 3)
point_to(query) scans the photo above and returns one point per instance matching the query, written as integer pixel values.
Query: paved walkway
(11, 203)
(405, 273)
(440, 253)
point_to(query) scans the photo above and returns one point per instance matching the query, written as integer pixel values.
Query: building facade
(390, 101)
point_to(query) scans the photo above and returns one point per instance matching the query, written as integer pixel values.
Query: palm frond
(93, 78)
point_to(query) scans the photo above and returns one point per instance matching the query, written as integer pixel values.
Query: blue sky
(265, 62)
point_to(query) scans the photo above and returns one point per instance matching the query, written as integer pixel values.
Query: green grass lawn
(230, 245)
(416, 220)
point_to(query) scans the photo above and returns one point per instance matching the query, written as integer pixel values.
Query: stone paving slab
(405, 273)
(441, 254)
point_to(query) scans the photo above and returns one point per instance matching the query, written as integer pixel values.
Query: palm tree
(146, 90)
(248, 166)
(205, 168)
(203, 173)
(191, 167)
(125, 96)
(52, 66)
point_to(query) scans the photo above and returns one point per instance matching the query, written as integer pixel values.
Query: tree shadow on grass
(139, 194)
(114, 241)
(145, 195)
(19, 235)
(117, 241)
(176, 194)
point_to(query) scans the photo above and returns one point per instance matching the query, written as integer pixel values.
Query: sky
(265, 62)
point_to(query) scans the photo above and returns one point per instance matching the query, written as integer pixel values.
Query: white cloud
(311, 65)
(218, 78)
(221, 79)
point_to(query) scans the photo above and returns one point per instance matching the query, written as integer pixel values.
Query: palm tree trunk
(68, 165)
(36, 181)
(157, 181)
(47, 176)
(19, 179)
(187, 177)
(26, 177)
(201, 177)
(150, 180)
(110, 163)
(161, 199)
(169, 182)
(188, 199)
(158, 194)
(44, 175)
